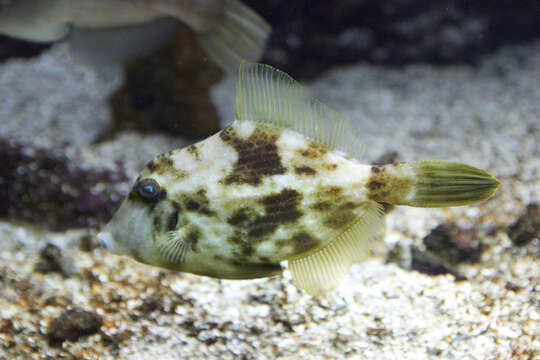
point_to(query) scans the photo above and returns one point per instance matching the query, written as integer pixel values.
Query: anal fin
(323, 270)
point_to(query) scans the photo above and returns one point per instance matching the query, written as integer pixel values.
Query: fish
(281, 183)
(103, 32)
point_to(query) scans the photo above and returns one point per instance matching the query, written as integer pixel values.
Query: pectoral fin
(323, 270)
(174, 247)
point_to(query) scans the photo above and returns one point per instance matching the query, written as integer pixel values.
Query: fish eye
(148, 188)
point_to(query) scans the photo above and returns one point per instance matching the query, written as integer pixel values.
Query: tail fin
(240, 36)
(431, 184)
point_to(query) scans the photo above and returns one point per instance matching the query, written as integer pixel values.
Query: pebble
(72, 325)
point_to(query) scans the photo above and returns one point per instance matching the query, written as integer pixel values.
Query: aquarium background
(452, 80)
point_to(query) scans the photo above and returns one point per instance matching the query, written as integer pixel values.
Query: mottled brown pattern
(161, 164)
(243, 248)
(305, 170)
(329, 198)
(303, 242)
(192, 237)
(332, 191)
(194, 150)
(258, 155)
(330, 167)
(283, 206)
(322, 205)
(196, 202)
(280, 208)
(283, 199)
(374, 185)
(241, 216)
(341, 215)
(336, 208)
(262, 226)
(244, 257)
(314, 151)
(384, 187)
(252, 228)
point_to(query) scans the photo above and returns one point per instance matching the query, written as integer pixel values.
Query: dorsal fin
(323, 270)
(265, 94)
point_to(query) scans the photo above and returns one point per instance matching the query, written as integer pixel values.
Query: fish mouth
(105, 238)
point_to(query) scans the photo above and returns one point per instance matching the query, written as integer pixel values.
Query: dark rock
(87, 243)
(390, 157)
(412, 258)
(434, 351)
(399, 255)
(44, 188)
(114, 341)
(211, 340)
(311, 36)
(168, 91)
(15, 48)
(151, 303)
(427, 264)
(527, 226)
(378, 333)
(512, 286)
(50, 260)
(72, 324)
(454, 244)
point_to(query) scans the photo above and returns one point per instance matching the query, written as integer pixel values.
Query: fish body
(278, 184)
(251, 195)
(226, 29)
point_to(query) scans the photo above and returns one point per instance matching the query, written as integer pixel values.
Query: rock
(53, 102)
(454, 244)
(389, 157)
(14, 48)
(113, 342)
(526, 227)
(168, 91)
(73, 324)
(151, 303)
(427, 264)
(309, 37)
(412, 258)
(88, 243)
(511, 286)
(50, 260)
(46, 188)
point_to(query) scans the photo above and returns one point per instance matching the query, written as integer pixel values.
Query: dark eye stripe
(173, 221)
